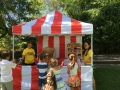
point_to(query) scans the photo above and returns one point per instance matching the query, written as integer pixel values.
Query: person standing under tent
(28, 55)
(42, 67)
(56, 70)
(73, 70)
(88, 55)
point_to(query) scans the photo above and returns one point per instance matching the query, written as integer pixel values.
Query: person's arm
(50, 72)
(68, 70)
(37, 61)
(51, 88)
(13, 64)
(62, 64)
(78, 70)
(20, 62)
(87, 61)
(23, 56)
(38, 66)
(14, 61)
(81, 59)
(44, 86)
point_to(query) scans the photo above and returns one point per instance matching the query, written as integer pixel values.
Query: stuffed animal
(49, 52)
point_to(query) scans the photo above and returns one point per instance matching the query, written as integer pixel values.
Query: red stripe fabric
(17, 29)
(56, 26)
(76, 27)
(40, 43)
(51, 41)
(60, 62)
(36, 28)
(17, 78)
(34, 78)
(73, 39)
(62, 46)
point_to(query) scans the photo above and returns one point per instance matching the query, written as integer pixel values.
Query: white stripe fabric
(42, 77)
(26, 29)
(56, 45)
(45, 41)
(46, 27)
(42, 70)
(86, 73)
(66, 25)
(86, 85)
(79, 39)
(67, 40)
(26, 78)
(87, 28)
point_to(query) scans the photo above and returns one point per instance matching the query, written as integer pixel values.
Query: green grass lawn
(107, 77)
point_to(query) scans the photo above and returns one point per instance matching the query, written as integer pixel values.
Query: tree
(13, 12)
(106, 28)
(104, 14)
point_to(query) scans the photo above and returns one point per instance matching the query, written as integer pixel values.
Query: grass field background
(107, 77)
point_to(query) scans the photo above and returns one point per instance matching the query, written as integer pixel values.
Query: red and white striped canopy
(53, 23)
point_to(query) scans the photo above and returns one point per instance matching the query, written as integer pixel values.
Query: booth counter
(26, 77)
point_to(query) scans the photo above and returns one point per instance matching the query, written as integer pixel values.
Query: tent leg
(92, 47)
(13, 49)
(92, 61)
(82, 45)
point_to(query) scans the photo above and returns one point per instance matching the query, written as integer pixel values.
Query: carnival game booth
(57, 31)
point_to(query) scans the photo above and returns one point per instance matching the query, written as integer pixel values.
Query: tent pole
(92, 60)
(81, 46)
(13, 49)
(92, 47)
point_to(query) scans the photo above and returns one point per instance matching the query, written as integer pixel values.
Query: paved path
(106, 57)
